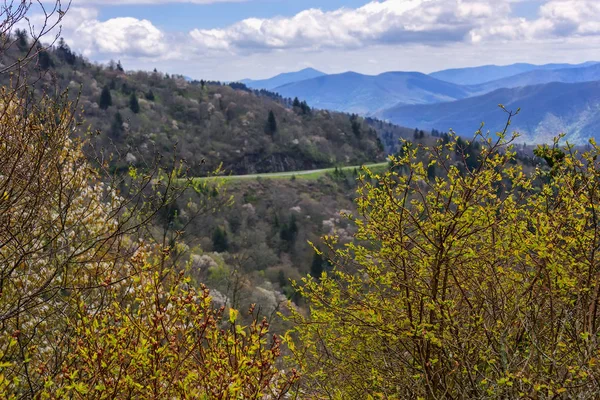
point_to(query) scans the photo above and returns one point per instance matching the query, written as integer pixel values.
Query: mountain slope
(486, 73)
(141, 114)
(536, 77)
(366, 94)
(283, 79)
(546, 111)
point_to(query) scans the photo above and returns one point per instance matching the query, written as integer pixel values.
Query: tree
(90, 306)
(220, 240)
(150, 95)
(305, 108)
(120, 66)
(288, 232)
(22, 39)
(64, 52)
(169, 341)
(477, 285)
(116, 129)
(134, 105)
(105, 98)
(271, 126)
(44, 60)
(356, 125)
(316, 268)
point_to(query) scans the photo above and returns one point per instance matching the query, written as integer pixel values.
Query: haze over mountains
(283, 79)
(554, 98)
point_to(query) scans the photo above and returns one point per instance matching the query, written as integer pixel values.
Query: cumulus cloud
(125, 35)
(391, 21)
(433, 22)
(566, 19)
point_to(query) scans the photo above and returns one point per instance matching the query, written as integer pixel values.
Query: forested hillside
(205, 123)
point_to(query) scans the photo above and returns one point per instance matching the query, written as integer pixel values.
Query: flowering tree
(91, 305)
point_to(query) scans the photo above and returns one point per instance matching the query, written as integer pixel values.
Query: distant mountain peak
(283, 79)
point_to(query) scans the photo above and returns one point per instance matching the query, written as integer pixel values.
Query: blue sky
(230, 40)
(190, 16)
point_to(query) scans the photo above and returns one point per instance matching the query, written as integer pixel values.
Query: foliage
(86, 268)
(160, 339)
(480, 284)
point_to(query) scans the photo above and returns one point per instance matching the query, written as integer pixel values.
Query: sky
(235, 39)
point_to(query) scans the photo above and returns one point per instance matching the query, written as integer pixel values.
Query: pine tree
(271, 127)
(120, 66)
(64, 52)
(305, 108)
(220, 241)
(133, 103)
(44, 60)
(316, 268)
(105, 98)
(22, 40)
(150, 95)
(116, 129)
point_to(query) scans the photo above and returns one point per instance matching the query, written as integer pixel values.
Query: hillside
(546, 110)
(141, 114)
(540, 76)
(283, 79)
(366, 94)
(487, 73)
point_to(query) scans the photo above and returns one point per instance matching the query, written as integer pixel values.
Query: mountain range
(554, 98)
(283, 79)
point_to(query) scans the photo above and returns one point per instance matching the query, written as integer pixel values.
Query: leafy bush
(483, 283)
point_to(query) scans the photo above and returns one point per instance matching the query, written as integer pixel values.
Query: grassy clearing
(304, 175)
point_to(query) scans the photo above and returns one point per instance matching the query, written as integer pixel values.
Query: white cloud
(432, 22)
(557, 19)
(124, 36)
(391, 21)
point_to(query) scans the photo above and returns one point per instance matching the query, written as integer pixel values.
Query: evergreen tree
(116, 129)
(44, 60)
(431, 172)
(282, 279)
(120, 66)
(105, 98)
(133, 103)
(296, 102)
(305, 108)
(64, 52)
(220, 240)
(150, 95)
(355, 125)
(22, 40)
(316, 268)
(288, 232)
(271, 127)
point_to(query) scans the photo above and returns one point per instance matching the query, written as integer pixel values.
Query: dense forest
(130, 269)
